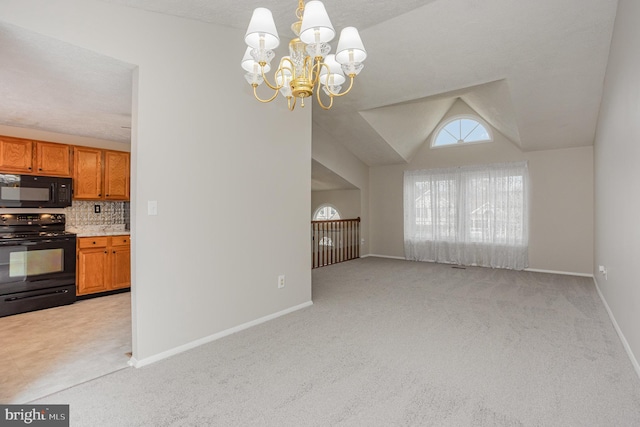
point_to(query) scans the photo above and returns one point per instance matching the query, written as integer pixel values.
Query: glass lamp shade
(335, 76)
(262, 27)
(329, 89)
(352, 68)
(253, 78)
(316, 22)
(283, 78)
(350, 48)
(249, 64)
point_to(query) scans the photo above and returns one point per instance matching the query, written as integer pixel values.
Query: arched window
(461, 130)
(325, 213)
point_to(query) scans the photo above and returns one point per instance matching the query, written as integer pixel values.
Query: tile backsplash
(83, 214)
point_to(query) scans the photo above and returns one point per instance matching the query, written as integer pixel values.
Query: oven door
(37, 263)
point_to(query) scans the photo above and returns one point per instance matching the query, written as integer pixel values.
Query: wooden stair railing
(334, 241)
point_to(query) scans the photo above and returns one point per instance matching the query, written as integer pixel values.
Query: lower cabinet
(103, 264)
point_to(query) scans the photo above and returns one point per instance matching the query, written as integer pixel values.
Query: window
(472, 215)
(326, 213)
(461, 130)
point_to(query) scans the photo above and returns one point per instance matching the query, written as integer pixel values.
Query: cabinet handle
(107, 195)
(106, 252)
(93, 243)
(39, 169)
(114, 252)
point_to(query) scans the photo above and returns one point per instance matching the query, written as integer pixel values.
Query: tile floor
(45, 351)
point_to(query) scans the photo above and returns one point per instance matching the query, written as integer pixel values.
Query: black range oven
(37, 263)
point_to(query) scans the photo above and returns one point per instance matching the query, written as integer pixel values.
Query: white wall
(561, 217)
(212, 157)
(341, 161)
(347, 202)
(617, 178)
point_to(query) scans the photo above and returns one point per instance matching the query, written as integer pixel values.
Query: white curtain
(475, 215)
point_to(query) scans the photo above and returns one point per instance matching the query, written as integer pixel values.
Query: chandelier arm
(255, 93)
(324, 107)
(289, 105)
(274, 87)
(315, 70)
(300, 10)
(351, 76)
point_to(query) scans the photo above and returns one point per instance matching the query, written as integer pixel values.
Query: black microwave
(29, 191)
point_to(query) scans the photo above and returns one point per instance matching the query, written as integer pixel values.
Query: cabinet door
(116, 175)
(93, 271)
(16, 155)
(53, 159)
(120, 262)
(87, 173)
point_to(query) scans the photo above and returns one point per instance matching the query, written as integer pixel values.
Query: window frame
(322, 206)
(449, 120)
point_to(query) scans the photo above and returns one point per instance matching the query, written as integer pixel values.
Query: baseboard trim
(533, 270)
(197, 343)
(564, 273)
(383, 256)
(625, 343)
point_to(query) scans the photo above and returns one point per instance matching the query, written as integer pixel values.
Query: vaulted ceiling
(534, 70)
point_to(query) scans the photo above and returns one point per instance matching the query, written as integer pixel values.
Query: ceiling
(534, 70)
(49, 85)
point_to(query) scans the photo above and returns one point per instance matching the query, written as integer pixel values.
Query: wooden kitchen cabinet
(116, 175)
(92, 265)
(97, 174)
(53, 159)
(87, 173)
(120, 262)
(16, 155)
(103, 264)
(100, 174)
(34, 157)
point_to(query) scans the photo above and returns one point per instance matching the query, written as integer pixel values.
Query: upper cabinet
(53, 159)
(16, 155)
(100, 174)
(116, 175)
(34, 157)
(87, 173)
(97, 174)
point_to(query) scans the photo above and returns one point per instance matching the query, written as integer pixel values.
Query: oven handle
(48, 294)
(18, 243)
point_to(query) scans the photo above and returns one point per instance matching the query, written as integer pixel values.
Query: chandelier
(309, 64)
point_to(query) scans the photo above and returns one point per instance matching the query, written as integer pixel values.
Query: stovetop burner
(32, 225)
(35, 234)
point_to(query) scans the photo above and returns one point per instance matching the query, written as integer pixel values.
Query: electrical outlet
(96, 208)
(281, 281)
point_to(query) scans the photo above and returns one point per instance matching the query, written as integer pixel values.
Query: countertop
(99, 230)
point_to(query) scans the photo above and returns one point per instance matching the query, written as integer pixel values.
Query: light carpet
(391, 343)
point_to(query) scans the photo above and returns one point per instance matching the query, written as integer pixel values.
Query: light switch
(152, 207)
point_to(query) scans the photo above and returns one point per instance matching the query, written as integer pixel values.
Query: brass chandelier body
(308, 67)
